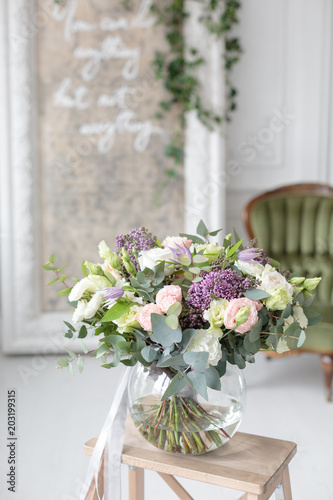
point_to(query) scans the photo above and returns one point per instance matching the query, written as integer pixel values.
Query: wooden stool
(255, 465)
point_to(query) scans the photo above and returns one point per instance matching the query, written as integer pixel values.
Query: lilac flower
(113, 293)
(221, 284)
(137, 239)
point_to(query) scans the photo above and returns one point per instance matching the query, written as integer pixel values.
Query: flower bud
(242, 315)
(111, 257)
(297, 280)
(311, 283)
(94, 268)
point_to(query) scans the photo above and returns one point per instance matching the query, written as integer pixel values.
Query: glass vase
(185, 423)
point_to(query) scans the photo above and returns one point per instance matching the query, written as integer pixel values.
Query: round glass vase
(185, 423)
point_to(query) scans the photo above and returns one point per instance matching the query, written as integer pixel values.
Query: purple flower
(137, 239)
(221, 284)
(249, 254)
(113, 293)
(180, 251)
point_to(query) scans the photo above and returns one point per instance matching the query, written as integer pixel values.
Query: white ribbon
(111, 439)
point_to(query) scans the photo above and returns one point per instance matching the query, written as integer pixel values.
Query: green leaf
(188, 276)
(215, 233)
(185, 261)
(313, 316)
(62, 278)
(84, 347)
(113, 340)
(116, 311)
(239, 360)
(46, 267)
(129, 362)
(188, 335)
(199, 383)
(199, 259)
(63, 362)
(70, 369)
(102, 350)
(197, 360)
(71, 353)
(65, 292)
(213, 378)
(202, 229)
(114, 362)
(221, 367)
(256, 294)
(83, 332)
(69, 334)
(254, 334)
(53, 281)
(52, 259)
(175, 309)
(237, 238)
(173, 361)
(252, 346)
(172, 321)
(149, 354)
(84, 270)
(177, 384)
(80, 363)
(301, 339)
(71, 327)
(287, 312)
(232, 250)
(164, 335)
(195, 270)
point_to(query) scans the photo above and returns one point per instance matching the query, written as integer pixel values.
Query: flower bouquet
(185, 309)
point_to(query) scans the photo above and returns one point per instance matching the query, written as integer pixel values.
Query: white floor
(56, 413)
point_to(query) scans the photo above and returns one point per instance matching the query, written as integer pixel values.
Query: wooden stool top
(246, 463)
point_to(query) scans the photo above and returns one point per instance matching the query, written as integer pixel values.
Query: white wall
(281, 131)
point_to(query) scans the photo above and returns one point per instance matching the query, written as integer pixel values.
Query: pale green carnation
(204, 341)
(279, 299)
(128, 320)
(215, 314)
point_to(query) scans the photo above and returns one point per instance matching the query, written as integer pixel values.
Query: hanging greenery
(178, 67)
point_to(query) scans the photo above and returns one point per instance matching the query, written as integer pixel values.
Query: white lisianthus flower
(282, 346)
(300, 316)
(204, 341)
(215, 314)
(79, 313)
(271, 279)
(150, 258)
(94, 304)
(215, 332)
(90, 284)
(254, 269)
(128, 320)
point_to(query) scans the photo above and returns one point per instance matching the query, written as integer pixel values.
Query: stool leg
(286, 484)
(136, 483)
(92, 492)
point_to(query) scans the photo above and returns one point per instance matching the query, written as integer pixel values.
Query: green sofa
(294, 224)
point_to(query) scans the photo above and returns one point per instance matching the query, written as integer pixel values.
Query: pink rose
(173, 241)
(144, 316)
(232, 309)
(167, 296)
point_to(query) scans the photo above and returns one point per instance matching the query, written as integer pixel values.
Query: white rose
(271, 279)
(94, 304)
(203, 341)
(90, 284)
(282, 346)
(300, 316)
(254, 269)
(150, 258)
(79, 313)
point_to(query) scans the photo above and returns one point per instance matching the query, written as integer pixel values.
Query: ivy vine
(178, 67)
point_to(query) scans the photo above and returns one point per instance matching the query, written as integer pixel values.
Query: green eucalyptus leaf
(200, 259)
(71, 353)
(301, 339)
(222, 366)
(185, 261)
(63, 362)
(172, 321)
(254, 334)
(102, 350)
(175, 309)
(202, 229)
(213, 378)
(313, 316)
(195, 239)
(164, 335)
(70, 369)
(149, 354)
(84, 347)
(80, 363)
(256, 294)
(177, 384)
(199, 383)
(239, 360)
(83, 332)
(197, 360)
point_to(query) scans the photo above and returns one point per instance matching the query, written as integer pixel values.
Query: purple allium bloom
(113, 293)
(137, 239)
(221, 284)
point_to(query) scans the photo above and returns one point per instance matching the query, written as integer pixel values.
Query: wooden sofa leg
(327, 364)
